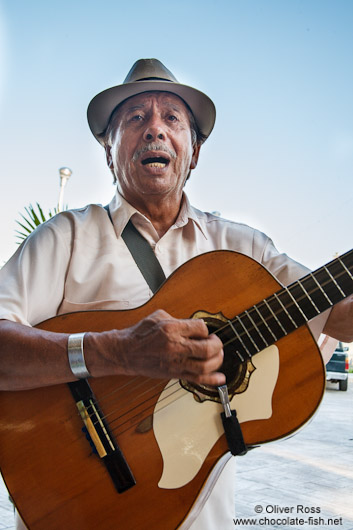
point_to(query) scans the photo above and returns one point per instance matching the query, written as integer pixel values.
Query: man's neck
(162, 212)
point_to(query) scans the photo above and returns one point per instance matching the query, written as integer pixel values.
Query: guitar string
(136, 419)
(242, 334)
(149, 410)
(253, 327)
(154, 414)
(288, 306)
(152, 397)
(270, 299)
(140, 403)
(104, 398)
(140, 416)
(137, 397)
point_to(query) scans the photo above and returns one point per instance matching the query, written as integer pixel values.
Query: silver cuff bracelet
(76, 356)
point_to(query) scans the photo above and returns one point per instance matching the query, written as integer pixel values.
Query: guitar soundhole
(237, 372)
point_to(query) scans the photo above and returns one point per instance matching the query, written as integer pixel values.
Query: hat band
(152, 79)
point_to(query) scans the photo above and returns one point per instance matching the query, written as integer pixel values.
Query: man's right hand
(158, 346)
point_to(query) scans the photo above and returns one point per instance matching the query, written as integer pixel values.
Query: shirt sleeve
(32, 281)
(284, 268)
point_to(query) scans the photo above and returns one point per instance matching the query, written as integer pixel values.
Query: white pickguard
(186, 430)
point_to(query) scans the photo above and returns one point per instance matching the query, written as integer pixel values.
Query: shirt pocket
(67, 306)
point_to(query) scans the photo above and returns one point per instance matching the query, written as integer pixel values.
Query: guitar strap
(153, 273)
(143, 255)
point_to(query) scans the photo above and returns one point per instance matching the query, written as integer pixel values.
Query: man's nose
(154, 131)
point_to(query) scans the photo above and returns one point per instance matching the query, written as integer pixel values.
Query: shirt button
(159, 250)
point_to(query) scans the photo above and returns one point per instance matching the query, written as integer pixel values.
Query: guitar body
(49, 468)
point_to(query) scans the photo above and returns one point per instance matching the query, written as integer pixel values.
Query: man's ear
(195, 156)
(108, 155)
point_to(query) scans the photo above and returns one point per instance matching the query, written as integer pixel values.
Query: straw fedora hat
(146, 75)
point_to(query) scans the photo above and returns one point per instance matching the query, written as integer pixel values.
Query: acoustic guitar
(138, 453)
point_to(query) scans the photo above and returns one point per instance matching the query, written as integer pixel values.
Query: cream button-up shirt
(78, 261)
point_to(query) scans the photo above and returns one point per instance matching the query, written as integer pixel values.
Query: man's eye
(171, 117)
(137, 117)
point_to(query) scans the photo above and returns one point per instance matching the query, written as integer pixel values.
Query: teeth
(156, 164)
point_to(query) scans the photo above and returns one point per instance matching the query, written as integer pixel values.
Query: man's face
(151, 149)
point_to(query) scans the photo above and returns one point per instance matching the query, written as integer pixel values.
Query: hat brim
(102, 105)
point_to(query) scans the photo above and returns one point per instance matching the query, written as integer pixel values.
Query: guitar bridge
(101, 436)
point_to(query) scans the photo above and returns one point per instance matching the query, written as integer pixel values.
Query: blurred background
(280, 73)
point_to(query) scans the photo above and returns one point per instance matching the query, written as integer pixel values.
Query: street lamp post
(65, 174)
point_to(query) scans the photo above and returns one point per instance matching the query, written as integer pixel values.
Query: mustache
(153, 147)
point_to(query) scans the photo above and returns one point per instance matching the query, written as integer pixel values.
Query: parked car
(338, 366)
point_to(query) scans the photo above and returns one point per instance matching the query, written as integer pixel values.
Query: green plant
(32, 220)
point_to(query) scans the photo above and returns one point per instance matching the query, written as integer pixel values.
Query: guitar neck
(291, 307)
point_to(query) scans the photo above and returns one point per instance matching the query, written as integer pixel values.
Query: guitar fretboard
(289, 308)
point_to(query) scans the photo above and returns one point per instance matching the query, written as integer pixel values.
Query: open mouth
(155, 161)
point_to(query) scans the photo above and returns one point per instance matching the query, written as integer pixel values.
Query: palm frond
(30, 226)
(28, 229)
(32, 219)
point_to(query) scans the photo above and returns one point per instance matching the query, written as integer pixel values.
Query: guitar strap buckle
(231, 425)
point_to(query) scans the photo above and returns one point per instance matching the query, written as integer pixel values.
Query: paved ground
(311, 471)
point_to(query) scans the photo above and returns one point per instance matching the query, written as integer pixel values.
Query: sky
(279, 72)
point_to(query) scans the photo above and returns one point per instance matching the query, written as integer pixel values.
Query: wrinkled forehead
(145, 100)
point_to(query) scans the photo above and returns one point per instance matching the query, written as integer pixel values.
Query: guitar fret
(239, 339)
(261, 325)
(345, 278)
(317, 295)
(321, 289)
(246, 331)
(258, 344)
(309, 297)
(292, 306)
(265, 322)
(296, 305)
(343, 265)
(289, 308)
(278, 311)
(324, 277)
(285, 310)
(257, 328)
(334, 281)
(274, 316)
(340, 272)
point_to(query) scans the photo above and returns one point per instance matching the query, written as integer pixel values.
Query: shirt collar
(122, 211)
(187, 212)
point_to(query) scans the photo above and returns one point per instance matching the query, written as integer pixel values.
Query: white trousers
(218, 511)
